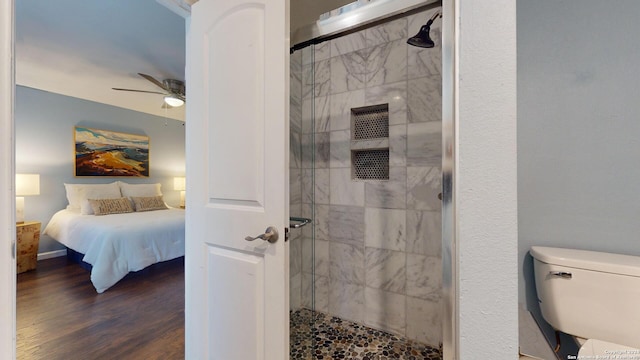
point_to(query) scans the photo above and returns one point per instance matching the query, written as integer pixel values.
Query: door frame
(502, 14)
(7, 178)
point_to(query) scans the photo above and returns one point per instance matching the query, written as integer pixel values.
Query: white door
(237, 179)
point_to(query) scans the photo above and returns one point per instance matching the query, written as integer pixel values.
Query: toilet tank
(589, 294)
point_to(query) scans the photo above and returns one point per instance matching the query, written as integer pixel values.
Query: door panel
(237, 179)
(245, 294)
(239, 104)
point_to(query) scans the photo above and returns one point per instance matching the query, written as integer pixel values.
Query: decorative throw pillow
(110, 206)
(148, 203)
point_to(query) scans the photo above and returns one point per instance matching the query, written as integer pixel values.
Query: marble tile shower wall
(377, 243)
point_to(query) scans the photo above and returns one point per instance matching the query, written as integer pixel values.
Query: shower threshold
(315, 335)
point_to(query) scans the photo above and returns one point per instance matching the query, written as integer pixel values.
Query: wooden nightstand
(27, 242)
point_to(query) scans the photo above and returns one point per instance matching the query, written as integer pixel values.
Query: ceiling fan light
(173, 101)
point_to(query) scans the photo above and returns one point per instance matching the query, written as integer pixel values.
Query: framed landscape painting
(110, 153)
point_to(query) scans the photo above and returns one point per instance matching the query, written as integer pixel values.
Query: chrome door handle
(562, 274)
(270, 235)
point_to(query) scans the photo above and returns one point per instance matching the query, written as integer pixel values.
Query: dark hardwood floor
(60, 315)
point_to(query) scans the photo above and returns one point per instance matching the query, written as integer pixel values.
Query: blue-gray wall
(44, 144)
(578, 128)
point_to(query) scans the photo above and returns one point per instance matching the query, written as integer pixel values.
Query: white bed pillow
(77, 195)
(139, 190)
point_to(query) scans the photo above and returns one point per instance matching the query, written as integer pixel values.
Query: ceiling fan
(174, 95)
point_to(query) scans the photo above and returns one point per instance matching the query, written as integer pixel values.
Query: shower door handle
(270, 235)
(300, 222)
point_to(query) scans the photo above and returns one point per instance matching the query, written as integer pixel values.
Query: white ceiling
(83, 48)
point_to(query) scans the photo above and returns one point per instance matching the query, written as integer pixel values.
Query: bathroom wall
(578, 129)
(377, 243)
(578, 126)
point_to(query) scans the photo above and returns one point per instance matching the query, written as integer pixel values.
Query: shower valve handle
(270, 235)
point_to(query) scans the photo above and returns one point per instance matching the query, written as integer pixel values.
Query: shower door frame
(326, 29)
(450, 324)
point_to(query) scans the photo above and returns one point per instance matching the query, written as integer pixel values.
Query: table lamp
(26, 185)
(179, 183)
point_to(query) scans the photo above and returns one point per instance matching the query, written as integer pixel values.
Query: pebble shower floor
(335, 338)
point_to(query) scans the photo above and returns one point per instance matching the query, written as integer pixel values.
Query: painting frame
(102, 153)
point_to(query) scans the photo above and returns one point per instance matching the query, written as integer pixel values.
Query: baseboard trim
(52, 254)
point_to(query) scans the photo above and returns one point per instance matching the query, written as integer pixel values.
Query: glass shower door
(301, 209)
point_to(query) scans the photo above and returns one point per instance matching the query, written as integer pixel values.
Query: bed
(118, 243)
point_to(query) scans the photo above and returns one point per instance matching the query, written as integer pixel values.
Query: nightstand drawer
(27, 242)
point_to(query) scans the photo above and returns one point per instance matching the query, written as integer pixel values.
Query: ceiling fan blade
(153, 80)
(142, 91)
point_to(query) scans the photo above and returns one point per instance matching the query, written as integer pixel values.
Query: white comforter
(117, 244)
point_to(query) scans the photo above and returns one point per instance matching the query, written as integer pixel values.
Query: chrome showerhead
(422, 38)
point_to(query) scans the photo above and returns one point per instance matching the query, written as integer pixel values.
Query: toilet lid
(607, 350)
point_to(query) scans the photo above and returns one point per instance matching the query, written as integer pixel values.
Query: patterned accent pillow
(110, 206)
(148, 203)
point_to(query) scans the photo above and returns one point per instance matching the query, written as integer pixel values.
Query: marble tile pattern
(373, 254)
(424, 320)
(340, 108)
(348, 72)
(340, 149)
(385, 228)
(424, 144)
(346, 224)
(385, 310)
(321, 186)
(387, 32)
(423, 280)
(424, 99)
(394, 94)
(295, 92)
(423, 186)
(387, 63)
(391, 194)
(345, 191)
(346, 263)
(321, 223)
(422, 227)
(346, 300)
(295, 150)
(386, 270)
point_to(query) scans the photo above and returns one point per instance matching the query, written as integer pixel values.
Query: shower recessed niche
(370, 142)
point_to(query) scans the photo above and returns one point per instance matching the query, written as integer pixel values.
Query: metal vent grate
(371, 122)
(371, 164)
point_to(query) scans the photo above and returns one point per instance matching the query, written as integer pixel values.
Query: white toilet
(593, 296)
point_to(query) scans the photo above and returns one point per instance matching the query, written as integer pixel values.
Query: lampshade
(173, 101)
(179, 183)
(27, 184)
